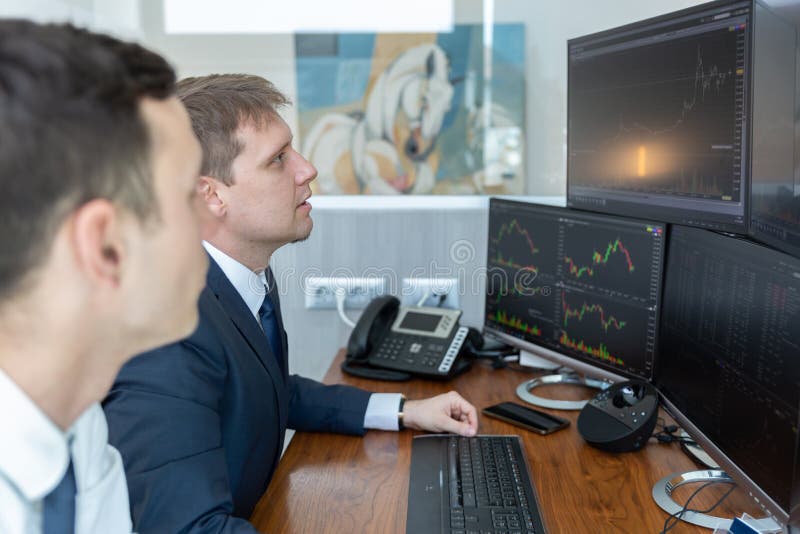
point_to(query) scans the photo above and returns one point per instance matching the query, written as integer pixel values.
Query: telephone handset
(392, 342)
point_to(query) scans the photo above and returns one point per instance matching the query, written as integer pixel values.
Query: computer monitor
(577, 288)
(658, 118)
(729, 369)
(775, 205)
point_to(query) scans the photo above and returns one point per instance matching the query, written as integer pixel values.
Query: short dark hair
(218, 105)
(70, 132)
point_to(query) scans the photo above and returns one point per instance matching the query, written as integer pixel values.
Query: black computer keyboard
(465, 485)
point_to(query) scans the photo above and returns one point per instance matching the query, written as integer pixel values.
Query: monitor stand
(529, 359)
(662, 494)
(524, 390)
(696, 452)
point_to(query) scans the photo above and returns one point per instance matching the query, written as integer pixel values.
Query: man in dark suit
(200, 423)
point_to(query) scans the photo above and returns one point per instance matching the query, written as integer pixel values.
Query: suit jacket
(200, 423)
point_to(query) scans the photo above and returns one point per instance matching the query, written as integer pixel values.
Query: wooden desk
(333, 483)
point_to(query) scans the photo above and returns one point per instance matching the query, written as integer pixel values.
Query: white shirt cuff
(382, 410)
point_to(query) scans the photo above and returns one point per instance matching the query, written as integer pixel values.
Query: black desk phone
(393, 342)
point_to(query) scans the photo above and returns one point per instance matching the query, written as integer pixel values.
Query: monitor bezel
(667, 214)
(597, 370)
(557, 357)
(774, 242)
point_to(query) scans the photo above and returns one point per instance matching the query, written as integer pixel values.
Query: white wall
(117, 17)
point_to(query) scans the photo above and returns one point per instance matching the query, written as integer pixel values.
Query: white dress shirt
(382, 408)
(34, 455)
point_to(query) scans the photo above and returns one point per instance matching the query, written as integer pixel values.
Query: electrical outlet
(414, 289)
(320, 291)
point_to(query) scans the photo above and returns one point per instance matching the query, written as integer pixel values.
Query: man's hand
(449, 412)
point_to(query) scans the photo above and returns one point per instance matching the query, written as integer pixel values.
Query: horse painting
(396, 114)
(389, 148)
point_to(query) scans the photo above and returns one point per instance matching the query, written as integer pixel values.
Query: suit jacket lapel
(249, 328)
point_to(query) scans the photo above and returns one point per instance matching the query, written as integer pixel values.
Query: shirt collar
(250, 285)
(34, 452)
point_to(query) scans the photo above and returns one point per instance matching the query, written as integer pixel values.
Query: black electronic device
(393, 342)
(526, 417)
(581, 289)
(620, 418)
(775, 196)
(476, 484)
(660, 115)
(730, 324)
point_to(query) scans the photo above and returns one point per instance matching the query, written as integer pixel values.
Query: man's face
(267, 203)
(168, 262)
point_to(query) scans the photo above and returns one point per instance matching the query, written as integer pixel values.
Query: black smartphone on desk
(528, 418)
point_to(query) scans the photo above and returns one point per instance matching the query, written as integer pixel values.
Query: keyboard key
(469, 499)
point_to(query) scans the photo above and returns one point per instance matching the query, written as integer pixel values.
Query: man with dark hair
(200, 424)
(100, 258)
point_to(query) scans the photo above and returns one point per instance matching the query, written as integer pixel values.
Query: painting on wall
(388, 114)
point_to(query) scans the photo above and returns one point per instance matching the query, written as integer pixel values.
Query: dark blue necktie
(59, 506)
(269, 323)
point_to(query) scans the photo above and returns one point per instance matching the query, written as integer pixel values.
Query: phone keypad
(410, 353)
(390, 348)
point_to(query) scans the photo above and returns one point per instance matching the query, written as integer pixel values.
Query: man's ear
(212, 192)
(98, 241)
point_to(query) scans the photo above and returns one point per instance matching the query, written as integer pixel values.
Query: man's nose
(307, 172)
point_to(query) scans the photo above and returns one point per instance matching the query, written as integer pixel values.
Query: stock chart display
(657, 117)
(584, 285)
(603, 329)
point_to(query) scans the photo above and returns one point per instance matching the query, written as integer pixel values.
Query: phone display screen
(422, 322)
(525, 417)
